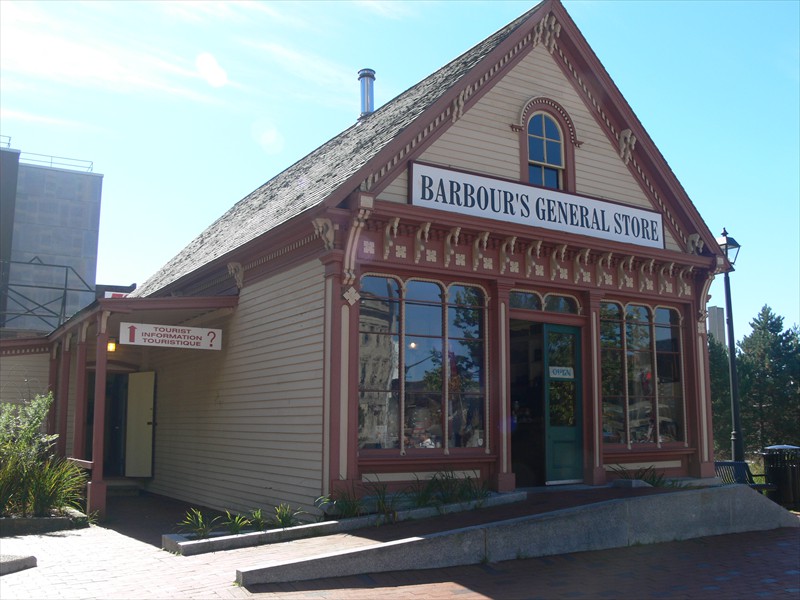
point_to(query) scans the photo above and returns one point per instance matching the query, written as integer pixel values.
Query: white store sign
(512, 202)
(170, 336)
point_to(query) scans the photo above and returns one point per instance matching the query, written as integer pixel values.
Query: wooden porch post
(96, 492)
(62, 395)
(79, 426)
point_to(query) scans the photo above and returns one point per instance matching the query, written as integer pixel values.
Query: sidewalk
(100, 562)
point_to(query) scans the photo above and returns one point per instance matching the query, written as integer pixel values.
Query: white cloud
(210, 70)
(37, 46)
(16, 115)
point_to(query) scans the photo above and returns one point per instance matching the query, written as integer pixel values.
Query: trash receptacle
(782, 468)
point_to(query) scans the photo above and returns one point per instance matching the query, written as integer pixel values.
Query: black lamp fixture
(731, 249)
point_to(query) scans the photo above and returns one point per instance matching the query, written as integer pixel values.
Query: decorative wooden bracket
(581, 264)
(530, 260)
(450, 243)
(556, 258)
(623, 269)
(389, 233)
(478, 248)
(506, 250)
(421, 240)
(646, 275)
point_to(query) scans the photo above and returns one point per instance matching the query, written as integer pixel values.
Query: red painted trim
(52, 382)
(62, 397)
(568, 139)
(79, 427)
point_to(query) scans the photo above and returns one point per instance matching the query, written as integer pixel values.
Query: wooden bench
(738, 471)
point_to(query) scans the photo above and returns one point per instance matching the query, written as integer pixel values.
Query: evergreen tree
(719, 368)
(769, 383)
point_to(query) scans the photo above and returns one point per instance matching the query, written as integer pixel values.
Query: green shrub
(235, 522)
(257, 520)
(286, 516)
(55, 484)
(197, 523)
(32, 479)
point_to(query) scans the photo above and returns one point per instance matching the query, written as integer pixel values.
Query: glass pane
(378, 420)
(378, 362)
(466, 364)
(465, 322)
(670, 419)
(562, 403)
(383, 287)
(464, 295)
(554, 154)
(466, 421)
(613, 382)
(610, 334)
(423, 319)
(423, 364)
(536, 149)
(423, 426)
(379, 316)
(638, 313)
(610, 311)
(614, 420)
(425, 291)
(536, 125)
(551, 130)
(637, 337)
(667, 339)
(526, 300)
(669, 371)
(667, 316)
(642, 420)
(535, 175)
(562, 304)
(551, 178)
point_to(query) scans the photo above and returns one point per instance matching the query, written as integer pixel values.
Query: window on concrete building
(642, 383)
(422, 365)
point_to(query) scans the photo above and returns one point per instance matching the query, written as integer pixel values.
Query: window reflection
(442, 363)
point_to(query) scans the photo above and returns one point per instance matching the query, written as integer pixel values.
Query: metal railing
(35, 295)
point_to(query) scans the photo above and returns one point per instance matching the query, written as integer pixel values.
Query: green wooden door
(563, 418)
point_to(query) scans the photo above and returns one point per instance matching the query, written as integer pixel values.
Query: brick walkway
(100, 562)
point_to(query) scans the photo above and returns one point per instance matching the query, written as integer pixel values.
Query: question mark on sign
(213, 336)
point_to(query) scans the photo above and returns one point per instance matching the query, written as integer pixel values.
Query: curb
(185, 546)
(11, 564)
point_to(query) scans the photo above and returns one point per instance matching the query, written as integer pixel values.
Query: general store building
(495, 274)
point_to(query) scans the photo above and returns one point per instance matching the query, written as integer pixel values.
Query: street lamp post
(731, 249)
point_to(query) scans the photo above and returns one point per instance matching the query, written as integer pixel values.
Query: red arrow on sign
(132, 334)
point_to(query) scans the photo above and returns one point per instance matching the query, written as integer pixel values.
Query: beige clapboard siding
(482, 140)
(23, 376)
(242, 428)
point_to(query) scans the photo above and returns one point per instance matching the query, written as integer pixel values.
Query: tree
(769, 383)
(719, 367)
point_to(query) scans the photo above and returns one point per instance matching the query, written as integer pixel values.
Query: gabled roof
(336, 169)
(313, 179)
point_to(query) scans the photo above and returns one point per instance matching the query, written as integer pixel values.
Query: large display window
(422, 365)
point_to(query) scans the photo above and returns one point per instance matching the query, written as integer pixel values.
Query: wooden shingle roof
(337, 165)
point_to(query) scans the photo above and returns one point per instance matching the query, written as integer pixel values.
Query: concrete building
(49, 224)
(495, 274)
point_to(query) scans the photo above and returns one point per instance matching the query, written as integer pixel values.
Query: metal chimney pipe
(366, 77)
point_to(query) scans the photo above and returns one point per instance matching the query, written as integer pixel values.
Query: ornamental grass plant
(33, 480)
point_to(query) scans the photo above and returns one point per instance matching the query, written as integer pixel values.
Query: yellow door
(139, 425)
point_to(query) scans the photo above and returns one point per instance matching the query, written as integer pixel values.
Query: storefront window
(641, 375)
(552, 302)
(443, 401)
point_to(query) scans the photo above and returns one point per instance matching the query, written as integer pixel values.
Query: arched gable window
(545, 152)
(547, 145)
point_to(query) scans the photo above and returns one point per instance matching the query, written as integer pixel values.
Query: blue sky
(186, 107)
